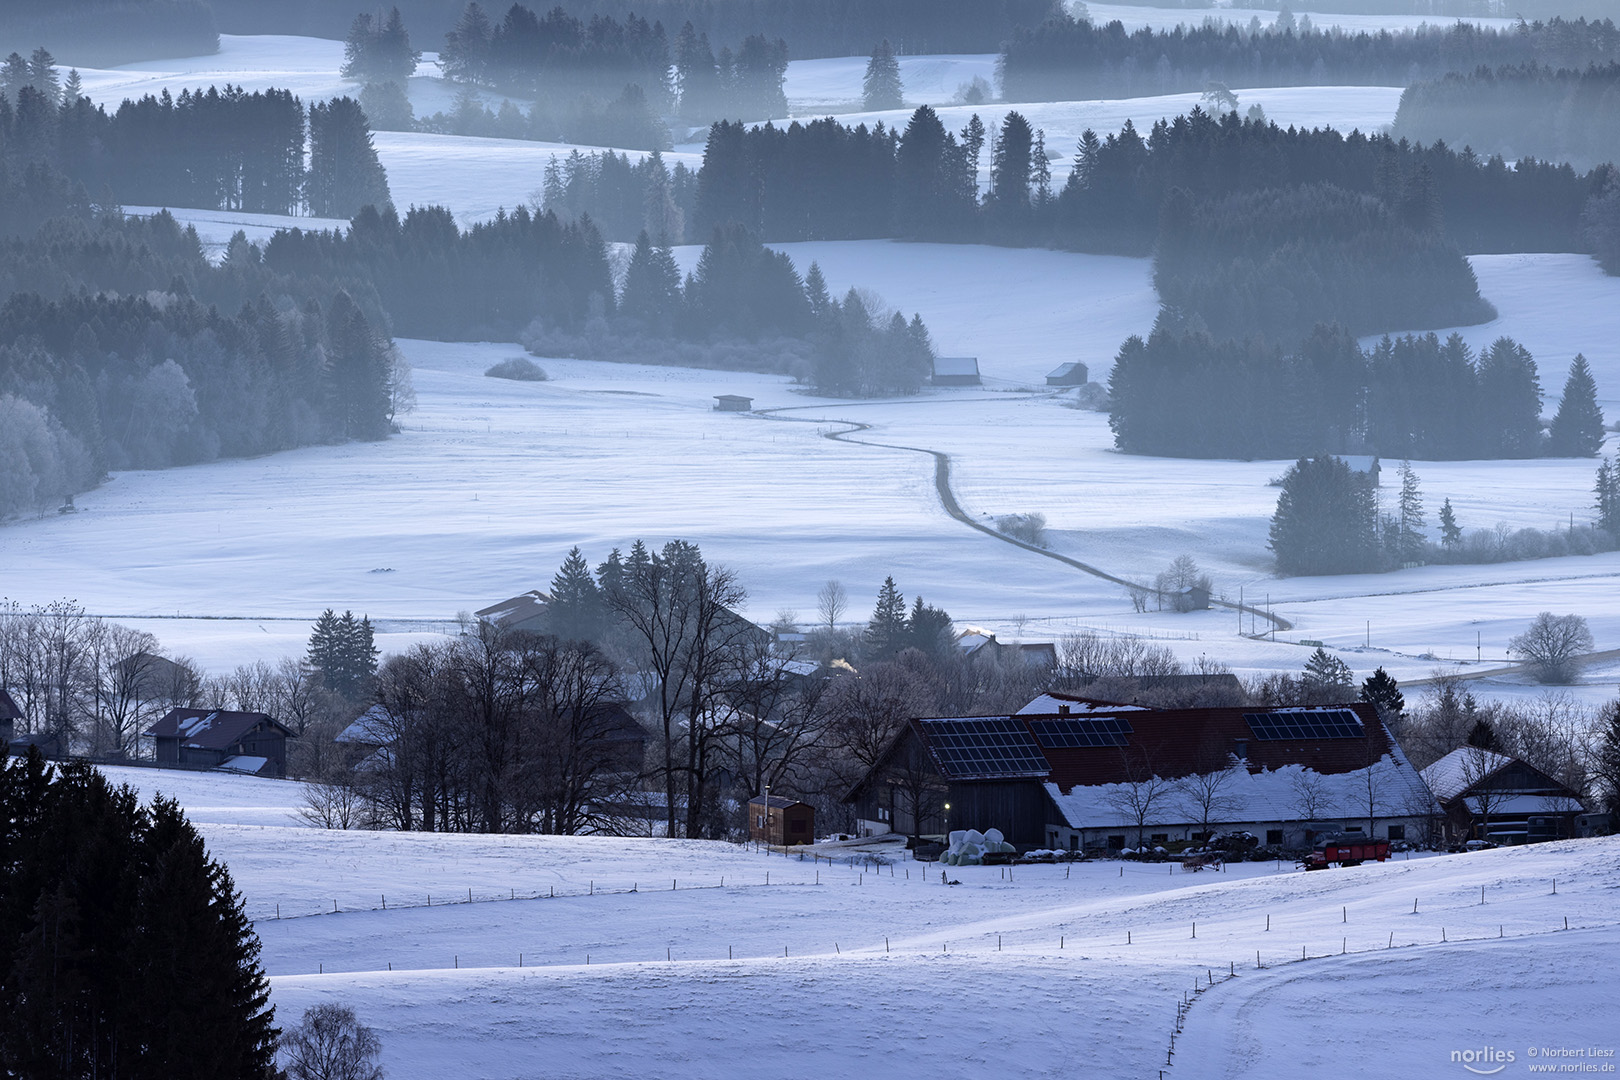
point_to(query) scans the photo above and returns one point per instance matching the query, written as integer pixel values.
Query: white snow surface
(1268, 795)
(834, 83)
(854, 973)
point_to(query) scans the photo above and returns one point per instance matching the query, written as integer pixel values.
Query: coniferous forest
(1073, 59)
(220, 149)
(1184, 393)
(1531, 110)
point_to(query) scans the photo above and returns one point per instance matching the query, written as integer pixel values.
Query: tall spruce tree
(1577, 427)
(575, 610)
(343, 653)
(886, 632)
(881, 88)
(1410, 521)
(1381, 690)
(1450, 531)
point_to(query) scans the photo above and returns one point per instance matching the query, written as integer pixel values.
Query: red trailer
(1346, 852)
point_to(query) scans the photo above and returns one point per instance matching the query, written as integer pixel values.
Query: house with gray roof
(246, 742)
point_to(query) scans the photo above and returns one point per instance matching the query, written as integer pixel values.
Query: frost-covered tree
(1411, 515)
(881, 89)
(1326, 679)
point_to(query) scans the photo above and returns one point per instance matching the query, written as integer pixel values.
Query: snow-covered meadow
(491, 482)
(857, 970)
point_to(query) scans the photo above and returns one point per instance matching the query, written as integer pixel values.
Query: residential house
(526, 612)
(248, 742)
(1491, 796)
(1117, 777)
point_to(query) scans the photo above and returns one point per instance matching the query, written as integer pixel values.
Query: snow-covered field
(836, 971)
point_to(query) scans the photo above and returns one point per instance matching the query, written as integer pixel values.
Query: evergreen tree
(881, 89)
(652, 285)
(126, 950)
(1482, 735)
(1012, 164)
(465, 57)
(13, 76)
(1411, 516)
(815, 290)
(1325, 521)
(342, 653)
(1326, 678)
(1608, 496)
(1450, 531)
(42, 75)
(1382, 691)
(1606, 764)
(1577, 428)
(929, 629)
(379, 50)
(73, 89)
(358, 362)
(886, 631)
(1510, 399)
(575, 610)
(344, 171)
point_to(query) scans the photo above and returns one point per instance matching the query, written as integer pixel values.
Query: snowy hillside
(889, 970)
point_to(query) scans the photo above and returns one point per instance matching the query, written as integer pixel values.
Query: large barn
(1097, 777)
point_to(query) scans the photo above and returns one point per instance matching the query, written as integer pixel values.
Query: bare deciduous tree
(329, 1043)
(1553, 646)
(831, 600)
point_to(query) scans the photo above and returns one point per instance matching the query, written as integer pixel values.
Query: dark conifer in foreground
(125, 948)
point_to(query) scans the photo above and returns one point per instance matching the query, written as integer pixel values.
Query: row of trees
(825, 181)
(816, 27)
(216, 148)
(108, 360)
(1187, 394)
(1526, 111)
(1073, 59)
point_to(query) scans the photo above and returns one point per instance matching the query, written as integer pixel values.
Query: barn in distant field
(1490, 796)
(773, 819)
(732, 403)
(526, 611)
(1095, 776)
(956, 371)
(249, 742)
(1071, 374)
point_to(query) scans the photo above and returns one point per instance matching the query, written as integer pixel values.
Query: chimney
(1063, 710)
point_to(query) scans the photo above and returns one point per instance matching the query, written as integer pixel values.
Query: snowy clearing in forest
(865, 952)
(1135, 17)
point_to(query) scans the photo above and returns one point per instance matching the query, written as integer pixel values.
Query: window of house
(1116, 843)
(762, 821)
(1397, 832)
(1074, 841)
(1352, 828)
(1273, 837)
(883, 813)
(1199, 836)
(1160, 838)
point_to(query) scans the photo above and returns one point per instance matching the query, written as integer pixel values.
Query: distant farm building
(248, 742)
(975, 644)
(1490, 796)
(1098, 778)
(1070, 374)
(732, 403)
(773, 819)
(1190, 598)
(956, 371)
(526, 611)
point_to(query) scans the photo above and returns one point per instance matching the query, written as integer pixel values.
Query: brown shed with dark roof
(216, 738)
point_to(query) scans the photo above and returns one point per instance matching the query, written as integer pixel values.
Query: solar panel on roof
(1073, 732)
(984, 747)
(1294, 724)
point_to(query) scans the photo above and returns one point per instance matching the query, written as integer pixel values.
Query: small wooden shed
(773, 819)
(1070, 374)
(732, 403)
(956, 371)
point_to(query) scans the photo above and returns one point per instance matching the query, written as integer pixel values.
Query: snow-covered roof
(1267, 795)
(210, 729)
(374, 727)
(1048, 704)
(1462, 769)
(243, 763)
(956, 365)
(1064, 370)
